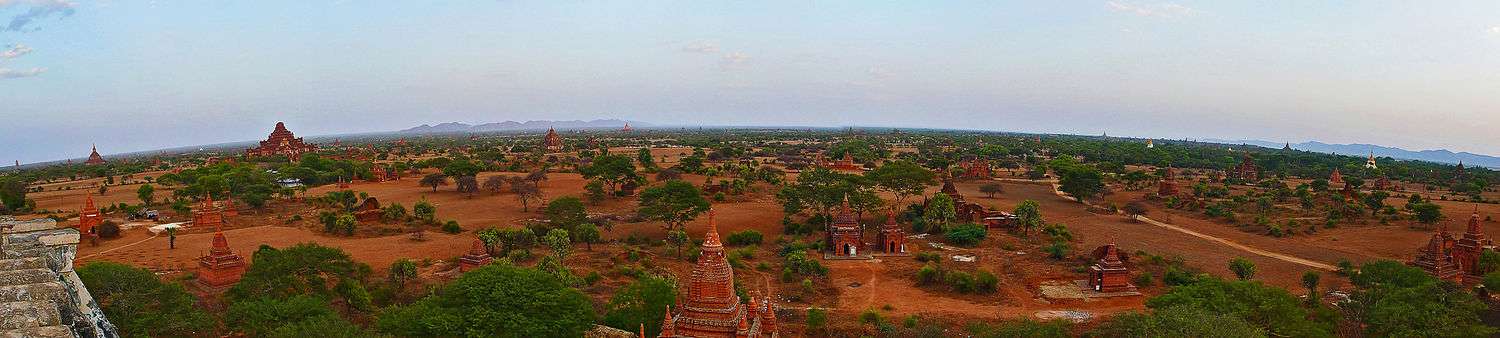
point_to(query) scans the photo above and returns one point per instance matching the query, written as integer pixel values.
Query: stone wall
(37, 255)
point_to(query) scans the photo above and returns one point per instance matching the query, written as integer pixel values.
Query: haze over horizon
(133, 76)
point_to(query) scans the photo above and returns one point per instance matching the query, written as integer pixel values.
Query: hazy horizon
(134, 76)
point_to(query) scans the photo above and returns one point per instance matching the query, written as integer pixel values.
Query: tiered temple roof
(221, 267)
(207, 214)
(1436, 258)
(89, 218)
(711, 308)
(476, 257)
(1168, 186)
(281, 142)
(845, 236)
(94, 158)
(552, 142)
(1109, 274)
(892, 236)
(1467, 249)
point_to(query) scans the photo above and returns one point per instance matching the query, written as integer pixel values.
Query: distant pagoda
(552, 142)
(94, 158)
(281, 142)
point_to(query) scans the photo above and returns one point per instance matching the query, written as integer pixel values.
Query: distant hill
(456, 127)
(1439, 155)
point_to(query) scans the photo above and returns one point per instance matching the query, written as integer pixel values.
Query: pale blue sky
(138, 75)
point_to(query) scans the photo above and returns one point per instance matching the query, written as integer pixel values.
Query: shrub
(816, 319)
(960, 281)
(965, 234)
(747, 237)
(452, 227)
(1144, 280)
(927, 274)
(986, 282)
(1057, 250)
(109, 229)
(927, 257)
(910, 322)
(798, 262)
(869, 317)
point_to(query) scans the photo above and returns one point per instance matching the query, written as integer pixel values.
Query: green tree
(146, 193)
(424, 211)
(902, 178)
(990, 189)
(497, 300)
(644, 301)
(560, 242)
(1082, 182)
(1266, 307)
(595, 191)
(1427, 212)
(434, 181)
(13, 193)
(677, 238)
(821, 189)
(402, 270)
(587, 233)
(296, 316)
(643, 156)
(1397, 300)
(1177, 321)
(1243, 268)
(613, 170)
(141, 305)
(1310, 281)
(566, 212)
(674, 203)
(304, 269)
(939, 210)
(1028, 216)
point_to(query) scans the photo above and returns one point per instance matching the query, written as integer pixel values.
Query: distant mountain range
(1439, 155)
(456, 127)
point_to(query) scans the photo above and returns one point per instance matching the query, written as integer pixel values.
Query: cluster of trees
(244, 182)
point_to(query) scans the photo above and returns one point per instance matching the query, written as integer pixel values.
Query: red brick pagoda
(978, 169)
(892, 238)
(711, 308)
(281, 143)
(627, 128)
(1247, 170)
(1436, 258)
(1335, 179)
(1467, 249)
(221, 268)
(1109, 274)
(552, 142)
(207, 214)
(1168, 186)
(94, 158)
(89, 218)
(846, 165)
(845, 236)
(476, 257)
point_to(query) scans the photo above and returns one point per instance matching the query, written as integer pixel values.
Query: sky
(142, 75)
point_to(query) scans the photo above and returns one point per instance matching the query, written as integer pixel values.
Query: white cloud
(38, 9)
(15, 52)
(1495, 30)
(733, 60)
(1165, 10)
(7, 73)
(701, 46)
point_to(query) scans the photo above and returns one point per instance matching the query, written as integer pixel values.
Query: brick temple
(892, 238)
(1467, 249)
(552, 142)
(282, 143)
(476, 257)
(94, 158)
(221, 267)
(208, 215)
(711, 308)
(89, 218)
(1436, 258)
(1109, 274)
(978, 169)
(1247, 170)
(1168, 185)
(845, 236)
(1335, 179)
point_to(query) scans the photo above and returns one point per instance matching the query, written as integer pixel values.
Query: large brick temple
(281, 143)
(711, 308)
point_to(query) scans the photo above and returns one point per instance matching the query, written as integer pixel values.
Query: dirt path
(1220, 240)
(118, 247)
